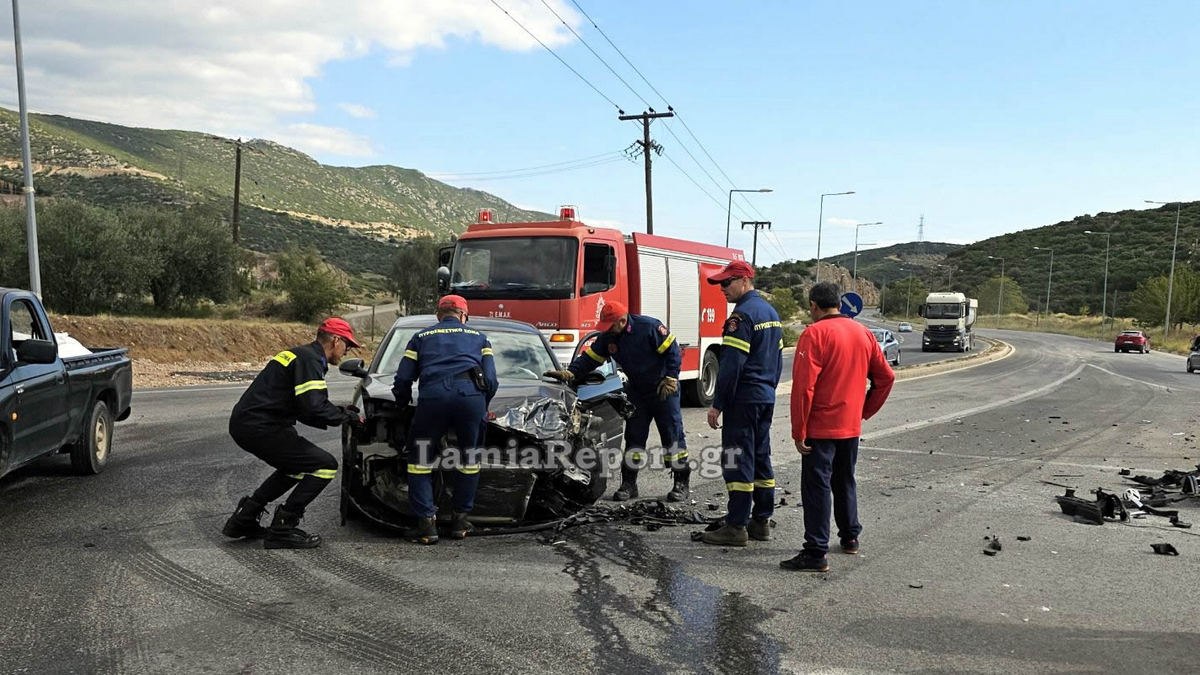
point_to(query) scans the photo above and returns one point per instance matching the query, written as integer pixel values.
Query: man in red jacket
(835, 358)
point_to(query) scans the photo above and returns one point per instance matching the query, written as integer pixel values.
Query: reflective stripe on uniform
(679, 455)
(764, 482)
(327, 474)
(311, 385)
(410, 354)
(635, 456)
(739, 487)
(284, 358)
(469, 469)
(486, 351)
(419, 470)
(731, 341)
(595, 357)
(666, 344)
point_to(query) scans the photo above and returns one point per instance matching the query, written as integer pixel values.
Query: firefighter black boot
(628, 489)
(286, 533)
(245, 520)
(460, 527)
(424, 532)
(680, 491)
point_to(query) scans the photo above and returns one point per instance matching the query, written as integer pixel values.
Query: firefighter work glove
(353, 416)
(666, 387)
(560, 375)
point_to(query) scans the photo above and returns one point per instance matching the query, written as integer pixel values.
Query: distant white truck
(949, 322)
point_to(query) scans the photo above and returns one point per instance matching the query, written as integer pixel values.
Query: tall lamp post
(820, 220)
(1049, 276)
(729, 206)
(907, 292)
(1104, 293)
(35, 270)
(949, 275)
(854, 276)
(1000, 295)
(1171, 280)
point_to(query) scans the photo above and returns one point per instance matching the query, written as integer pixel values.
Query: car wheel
(1189, 367)
(704, 388)
(1116, 349)
(90, 453)
(896, 363)
(1145, 350)
(4, 451)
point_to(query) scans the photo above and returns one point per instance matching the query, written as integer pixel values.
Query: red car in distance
(1132, 340)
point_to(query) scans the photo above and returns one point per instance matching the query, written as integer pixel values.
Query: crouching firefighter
(650, 357)
(291, 388)
(457, 376)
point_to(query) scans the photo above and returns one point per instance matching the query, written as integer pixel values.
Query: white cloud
(236, 68)
(329, 140)
(842, 222)
(357, 111)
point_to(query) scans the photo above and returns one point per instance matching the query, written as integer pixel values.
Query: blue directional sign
(852, 304)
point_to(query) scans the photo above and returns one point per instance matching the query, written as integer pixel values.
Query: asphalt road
(127, 571)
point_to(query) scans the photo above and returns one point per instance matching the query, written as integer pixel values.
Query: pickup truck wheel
(4, 459)
(90, 454)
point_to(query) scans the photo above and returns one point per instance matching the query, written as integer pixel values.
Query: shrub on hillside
(314, 287)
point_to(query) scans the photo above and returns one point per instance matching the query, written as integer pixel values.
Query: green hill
(354, 216)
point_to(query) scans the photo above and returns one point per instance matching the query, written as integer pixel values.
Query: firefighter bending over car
(648, 353)
(291, 388)
(457, 376)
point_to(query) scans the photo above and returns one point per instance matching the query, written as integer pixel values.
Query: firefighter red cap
(738, 269)
(453, 302)
(610, 313)
(338, 326)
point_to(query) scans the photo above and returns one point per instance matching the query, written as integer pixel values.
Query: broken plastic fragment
(1164, 549)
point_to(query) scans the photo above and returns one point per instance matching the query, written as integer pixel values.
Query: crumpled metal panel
(543, 417)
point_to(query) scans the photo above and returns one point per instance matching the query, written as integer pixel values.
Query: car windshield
(515, 267)
(880, 336)
(518, 356)
(943, 310)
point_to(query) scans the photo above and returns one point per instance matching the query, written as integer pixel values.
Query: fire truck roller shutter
(684, 321)
(654, 291)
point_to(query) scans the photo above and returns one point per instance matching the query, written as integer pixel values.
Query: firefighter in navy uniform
(750, 364)
(648, 353)
(291, 388)
(457, 376)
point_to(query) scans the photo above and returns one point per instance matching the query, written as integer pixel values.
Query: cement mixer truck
(949, 322)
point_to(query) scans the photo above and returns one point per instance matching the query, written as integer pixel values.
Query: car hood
(540, 409)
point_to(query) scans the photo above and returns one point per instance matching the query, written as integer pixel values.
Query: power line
(589, 158)
(593, 51)
(531, 174)
(560, 60)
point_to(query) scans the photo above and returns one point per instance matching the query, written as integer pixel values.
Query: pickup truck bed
(50, 404)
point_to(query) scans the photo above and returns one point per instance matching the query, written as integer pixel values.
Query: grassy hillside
(285, 194)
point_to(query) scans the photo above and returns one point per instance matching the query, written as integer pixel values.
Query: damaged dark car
(549, 445)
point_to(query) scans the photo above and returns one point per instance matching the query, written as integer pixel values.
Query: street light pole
(1000, 296)
(1049, 276)
(729, 207)
(1104, 293)
(907, 292)
(854, 275)
(820, 220)
(1171, 280)
(949, 275)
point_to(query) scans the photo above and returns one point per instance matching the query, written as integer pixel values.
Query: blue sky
(985, 117)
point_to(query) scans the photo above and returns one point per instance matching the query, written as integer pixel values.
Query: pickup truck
(51, 402)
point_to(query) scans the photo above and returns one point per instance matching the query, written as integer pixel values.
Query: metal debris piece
(916, 584)
(1106, 505)
(1022, 537)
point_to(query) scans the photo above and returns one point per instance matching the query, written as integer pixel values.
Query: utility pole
(35, 272)
(757, 225)
(647, 146)
(237, 187)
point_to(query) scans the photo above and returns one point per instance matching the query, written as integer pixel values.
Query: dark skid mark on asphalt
(716, 631)
(151, 565)
(1060, 648)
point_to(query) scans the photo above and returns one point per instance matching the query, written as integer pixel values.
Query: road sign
(852, 304)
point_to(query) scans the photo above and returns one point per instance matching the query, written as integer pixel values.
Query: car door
(39, 415)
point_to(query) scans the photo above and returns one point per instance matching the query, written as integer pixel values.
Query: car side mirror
(353, 368)
(37, 351)
(443, 279)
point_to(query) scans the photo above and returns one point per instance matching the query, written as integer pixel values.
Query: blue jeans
(829, 471)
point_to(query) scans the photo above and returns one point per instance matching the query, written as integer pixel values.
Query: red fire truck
(557, 275)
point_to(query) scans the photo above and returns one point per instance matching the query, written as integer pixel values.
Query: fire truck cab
(557, 275)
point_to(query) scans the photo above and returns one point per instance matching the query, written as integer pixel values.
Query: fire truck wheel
(704, 388)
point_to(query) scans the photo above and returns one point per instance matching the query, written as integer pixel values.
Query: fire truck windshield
(515, 267)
